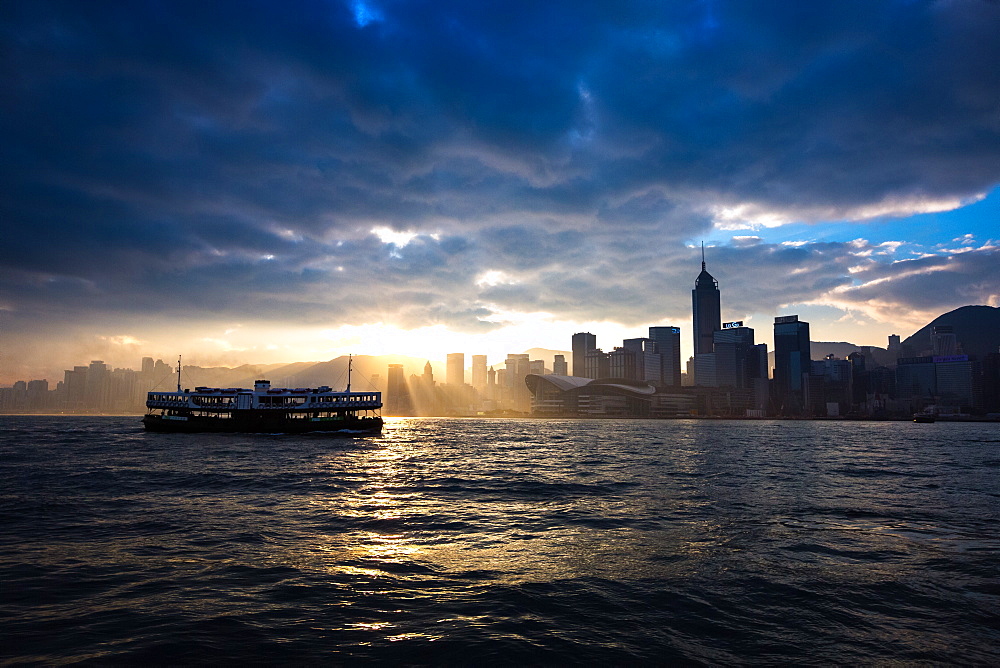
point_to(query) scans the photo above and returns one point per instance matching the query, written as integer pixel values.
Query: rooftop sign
(732, 325)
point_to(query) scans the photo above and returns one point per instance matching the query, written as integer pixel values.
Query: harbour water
(497, 542)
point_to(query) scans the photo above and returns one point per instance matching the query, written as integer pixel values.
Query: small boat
(264, 410)
(924, 418)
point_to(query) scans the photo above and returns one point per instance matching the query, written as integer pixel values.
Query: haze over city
(244, 183)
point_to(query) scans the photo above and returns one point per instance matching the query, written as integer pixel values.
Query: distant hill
(334, 372)
(839, 349)
(977, 329)
(331, 372)
(213, 376)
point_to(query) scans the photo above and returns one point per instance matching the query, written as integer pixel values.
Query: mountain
(977, 329)
(215, 376)
(841, 349)
(334, 372)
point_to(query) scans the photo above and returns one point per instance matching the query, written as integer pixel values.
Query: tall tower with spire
(706, 309)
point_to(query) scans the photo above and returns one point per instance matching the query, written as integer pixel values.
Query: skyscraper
(735, 357)
(741, 366)
(397, 400)
(668, 346)
(791, 360)
(706, 309)
(583, 343)
(645, 361)
(559, 366)
(518, 366)
(455, 369)
(943, 341)
(479, 372)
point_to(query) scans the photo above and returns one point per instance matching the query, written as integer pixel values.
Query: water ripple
(501, 542)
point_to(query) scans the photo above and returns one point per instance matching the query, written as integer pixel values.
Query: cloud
(350, 162)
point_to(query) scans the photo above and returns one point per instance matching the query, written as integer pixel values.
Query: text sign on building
(785, 319)
(675, 330)
(732, 325)
(951, 358)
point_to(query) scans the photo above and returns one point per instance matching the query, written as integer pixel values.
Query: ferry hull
(262, 424)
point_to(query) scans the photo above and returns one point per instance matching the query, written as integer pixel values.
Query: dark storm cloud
(250, 149)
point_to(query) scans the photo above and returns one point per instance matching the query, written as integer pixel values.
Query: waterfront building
(479, 378)
(397, 400)
(791, 363)
(706, 309)
(491, 385)
(704, 370)
(501, 393)
(991, 383)
(97, 385)
(915, 381)
(455, 369)
(75, 383)
(518, 367)
(668, 346)
(645, 364)
(959, 381)
(943, 341)
(597, 364)
(734, 357)
(829, 391)
(739, 364)
(606, 397)
(583, 343)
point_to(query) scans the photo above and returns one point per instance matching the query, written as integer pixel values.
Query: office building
(894, 347)
(735, 358)
(706, 309)
(479, 378)
(667, 342)
(959, 381)
(704, 370)
(645, 364)
(597, 364)
(559, 366)
(583, 343)
(792, 362)
(397, 400)
(915, 378)
(518, 368)
(830, 387)
(455, 369)
(943, 341)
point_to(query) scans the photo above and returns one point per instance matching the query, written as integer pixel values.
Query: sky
(274, 182)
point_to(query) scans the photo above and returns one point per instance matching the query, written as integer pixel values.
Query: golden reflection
(413, 636)
(369, 626)
(430, 532)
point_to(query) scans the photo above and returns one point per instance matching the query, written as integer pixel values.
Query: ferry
(264, 410)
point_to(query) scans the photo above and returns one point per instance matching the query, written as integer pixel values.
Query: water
(489, 542)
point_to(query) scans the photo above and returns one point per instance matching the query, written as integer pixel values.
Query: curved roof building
(602, 397)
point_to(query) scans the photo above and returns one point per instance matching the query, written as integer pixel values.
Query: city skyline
(248, 184)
